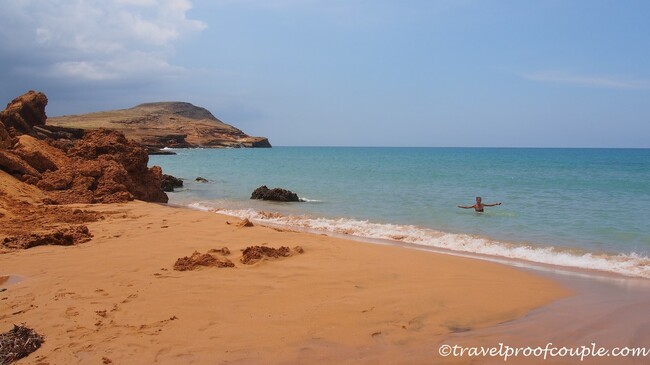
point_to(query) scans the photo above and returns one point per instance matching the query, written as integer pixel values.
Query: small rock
(245, 223)
(224, 251)
(170, 182)
(201, 179)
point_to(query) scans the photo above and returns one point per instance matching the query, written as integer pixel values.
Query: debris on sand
(18, 343)
(198, 259)
(245, 223)
(61, 237)
(222, 251)
(253, 254)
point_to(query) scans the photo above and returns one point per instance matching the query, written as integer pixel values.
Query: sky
(455, 73)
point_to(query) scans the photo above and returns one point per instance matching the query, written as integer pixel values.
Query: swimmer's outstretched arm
(493, 204)
(465, 207)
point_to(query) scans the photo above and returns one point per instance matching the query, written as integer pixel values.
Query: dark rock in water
(169, 183)
(201, 179)
(281, 195)
(275, 194)
(259, 192)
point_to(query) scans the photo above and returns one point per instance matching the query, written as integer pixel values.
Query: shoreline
(588, 308)
(580, 260)
(118, 297)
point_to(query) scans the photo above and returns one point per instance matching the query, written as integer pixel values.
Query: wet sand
(117, 297)
(606, 310)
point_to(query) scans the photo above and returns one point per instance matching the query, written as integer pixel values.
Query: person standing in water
(478, 207)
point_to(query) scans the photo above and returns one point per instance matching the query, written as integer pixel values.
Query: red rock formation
(39, 154)
(5, 139)
(16, 166)
(104, 168)
(25, 112)
(101, 167)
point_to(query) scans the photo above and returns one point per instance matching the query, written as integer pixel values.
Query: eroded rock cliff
(103, 166)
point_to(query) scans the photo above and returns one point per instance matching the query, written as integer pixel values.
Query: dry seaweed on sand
(253, 254)
(197, 259)
(17, 343)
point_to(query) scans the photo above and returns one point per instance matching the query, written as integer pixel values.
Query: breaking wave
(625, 264)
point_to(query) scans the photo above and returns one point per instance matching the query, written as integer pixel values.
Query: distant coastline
(165, 124)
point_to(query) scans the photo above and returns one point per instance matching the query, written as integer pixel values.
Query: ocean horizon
(571, 207)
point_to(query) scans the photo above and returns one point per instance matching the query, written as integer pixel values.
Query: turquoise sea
(583, 208)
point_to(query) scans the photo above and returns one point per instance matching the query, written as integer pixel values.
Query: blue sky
(349, 73)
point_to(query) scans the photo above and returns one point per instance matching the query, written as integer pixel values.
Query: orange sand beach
(117, 299)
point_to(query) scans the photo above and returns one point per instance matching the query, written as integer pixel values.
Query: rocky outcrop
(6, 141)
(100, 167)
(39, 154)
(275, 194)
(261, 143)
(55, 132)
(13, 164)
(166, 124)
(39, 164)
(25, 112)
(104, 168)
(169, 183)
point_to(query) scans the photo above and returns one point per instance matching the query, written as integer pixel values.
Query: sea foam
(625, 264)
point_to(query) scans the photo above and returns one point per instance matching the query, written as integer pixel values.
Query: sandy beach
(324, 182)
(117, 299)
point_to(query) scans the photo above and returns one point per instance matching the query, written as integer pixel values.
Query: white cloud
(587, 80)
(114, 69)
(96, 39)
